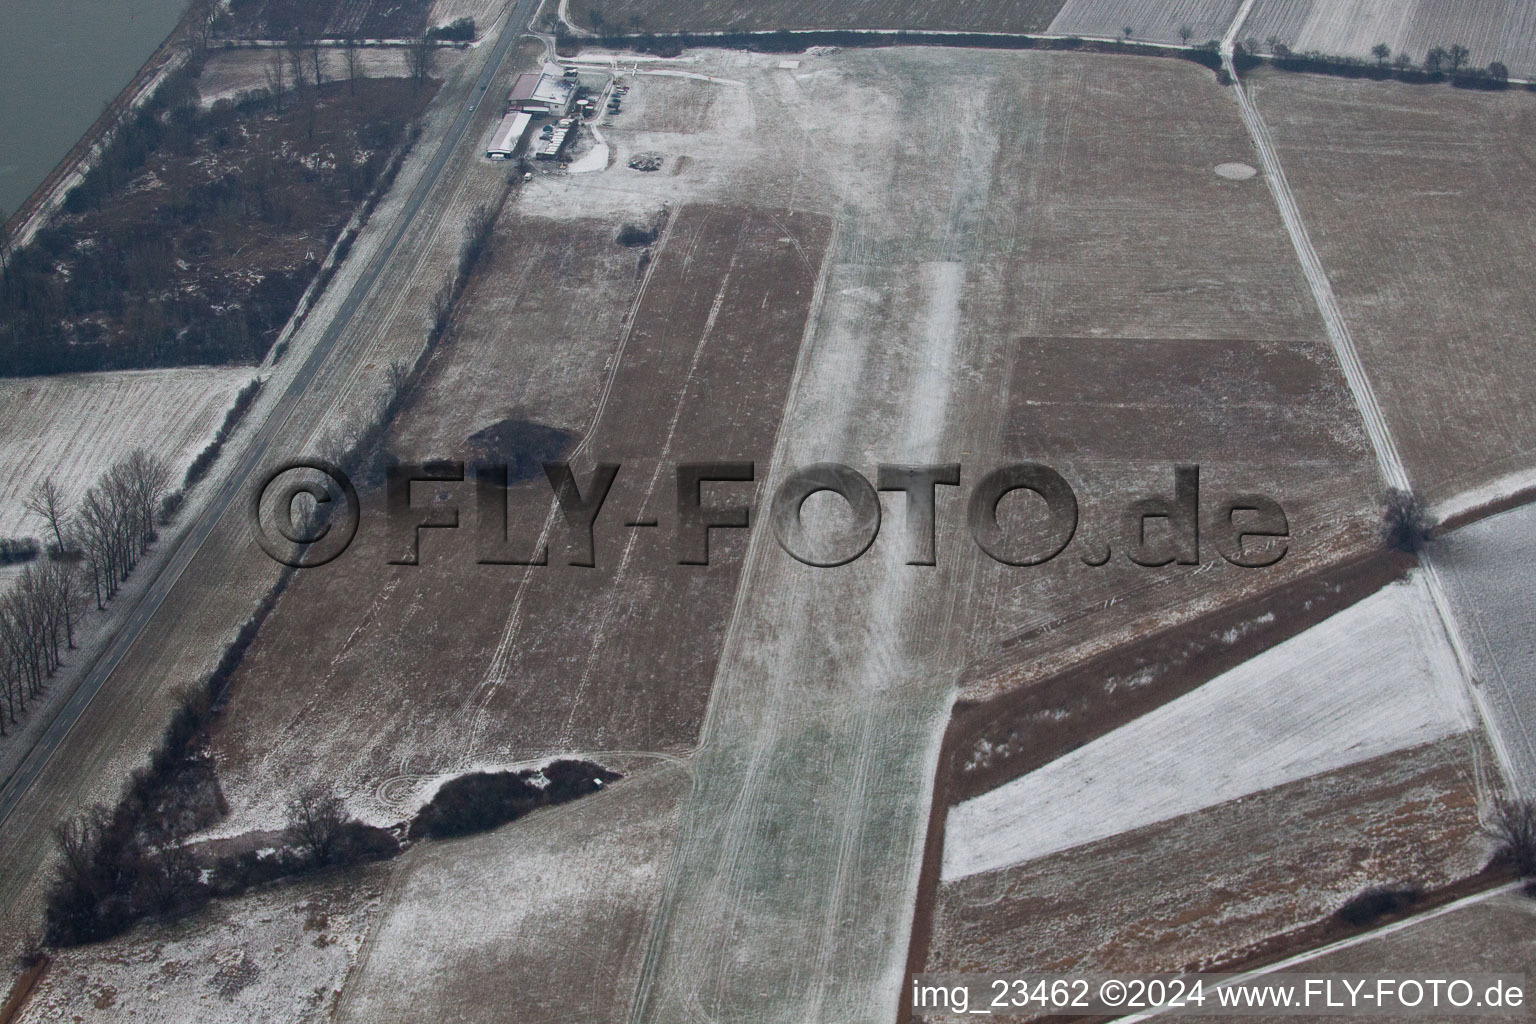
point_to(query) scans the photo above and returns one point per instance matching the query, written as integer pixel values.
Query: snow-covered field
(545, 914)
(1502, 30)
(281, 954)
(231, 72)
(1505, 488)
(1157, 22)
(483, 11)
(74, 427)
(1375, 678)
(1486, 569)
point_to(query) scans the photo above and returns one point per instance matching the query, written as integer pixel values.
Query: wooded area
(196, 231)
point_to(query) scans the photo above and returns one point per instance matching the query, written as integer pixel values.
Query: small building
(509, 135)
(542, 94)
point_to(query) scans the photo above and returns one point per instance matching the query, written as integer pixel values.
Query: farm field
(445, 12)
(1051, 270)
(1092, 328)
(73, 427)
(1157, 22)
(1377, 677)
(366, 19)
(1483, 567)
(218, 584)
(613, 660)
(557, 927)
(228, 73)
(1502, 30)
(1212, 887)
(1488, 935)
(278, 954)
(1414, 199)
(819, 746)
(741, 16)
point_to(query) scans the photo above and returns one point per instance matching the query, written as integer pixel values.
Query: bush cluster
(461, 30)
(15, 550)
(1374, 904)
(123, 863)
(484, 800)
(206, 458)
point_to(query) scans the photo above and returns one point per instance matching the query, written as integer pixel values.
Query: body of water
(61, 62)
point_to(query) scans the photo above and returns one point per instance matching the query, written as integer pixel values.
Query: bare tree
(1406, 523)
(296, 48)
(354, 63)
(203, 13)
(442, 308)
(316, 65)
(1381, 51)
(420, 55)
(47, 503)
(399, 375)
(1186, 33)
(477, 237)
(316, 819)
(277, 78)
(1457, 57)
(146, 477)
(1512, 824)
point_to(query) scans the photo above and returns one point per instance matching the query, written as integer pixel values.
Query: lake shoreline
(33, 213)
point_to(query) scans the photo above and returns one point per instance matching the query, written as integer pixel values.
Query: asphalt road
(232, 489)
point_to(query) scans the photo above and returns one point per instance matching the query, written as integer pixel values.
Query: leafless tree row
(37, 620)
(102, 540)
(115, 521)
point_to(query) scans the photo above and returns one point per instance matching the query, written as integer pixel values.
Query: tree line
(96, 544)
(1439, 64)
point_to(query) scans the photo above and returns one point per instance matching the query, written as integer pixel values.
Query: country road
(168, 635)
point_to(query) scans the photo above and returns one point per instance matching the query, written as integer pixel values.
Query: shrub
(169, 506)
(635, 235)
(483, 800)
(1373, 904)
(1512, 825)
(14, 550)
(461, 30)
(1406, 524)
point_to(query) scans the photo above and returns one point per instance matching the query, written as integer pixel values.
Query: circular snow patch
(1235, 171)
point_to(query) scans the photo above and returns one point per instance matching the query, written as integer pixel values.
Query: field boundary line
(1388, 461)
